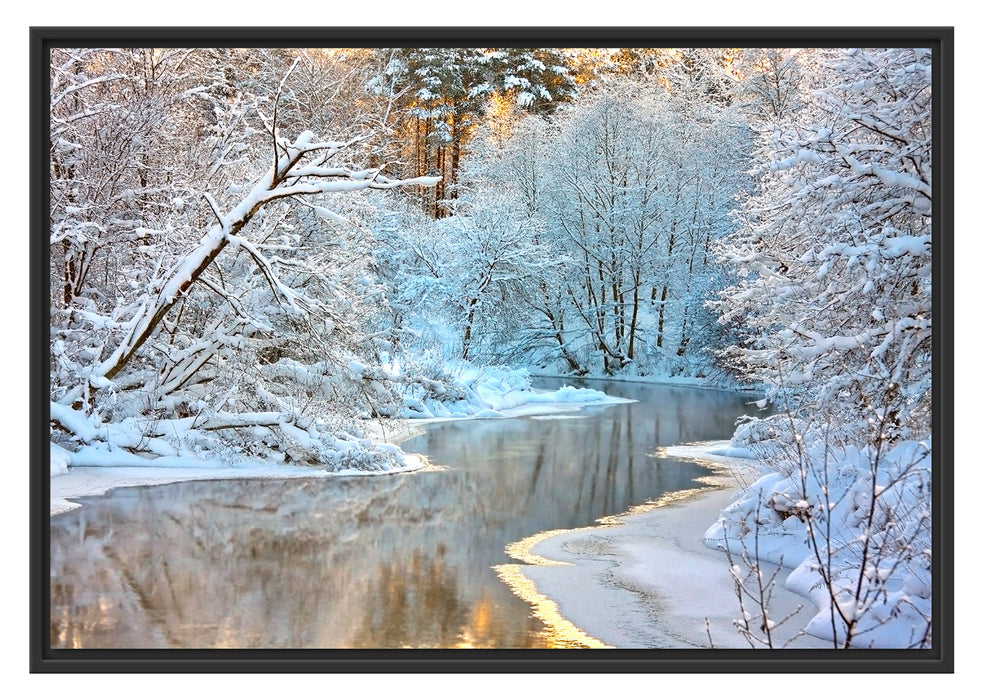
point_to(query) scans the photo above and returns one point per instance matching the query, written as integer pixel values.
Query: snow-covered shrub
(854, 528)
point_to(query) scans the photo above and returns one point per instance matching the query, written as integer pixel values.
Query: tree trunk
(662, 314)
(164, 305)
(468, 323)
(633, 327)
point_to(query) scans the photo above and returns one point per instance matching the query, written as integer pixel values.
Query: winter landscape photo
(490, 348)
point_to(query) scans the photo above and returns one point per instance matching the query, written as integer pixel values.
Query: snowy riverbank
(492, 396)
(665, 571)
(647, 580)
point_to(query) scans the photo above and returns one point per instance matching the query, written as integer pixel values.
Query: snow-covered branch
(275, 185)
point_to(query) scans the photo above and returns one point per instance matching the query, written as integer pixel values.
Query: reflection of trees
(246, 564)
(417, 604)
(578, 470)
(362, 562)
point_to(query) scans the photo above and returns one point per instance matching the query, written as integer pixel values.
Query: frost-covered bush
(854, 528)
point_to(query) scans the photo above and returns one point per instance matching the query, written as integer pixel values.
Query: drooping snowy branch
(291, 177)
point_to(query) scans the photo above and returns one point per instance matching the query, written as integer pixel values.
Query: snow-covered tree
(636, 191)
(445, 94)
(703, 74)
(771, 80)
(448, 88)
(536, 79)
(254, 325)
(111, 186)
(472, 273)
(835, 250)
(607, 204)
(835, 306)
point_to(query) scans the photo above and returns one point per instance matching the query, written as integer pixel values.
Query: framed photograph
(457, 350)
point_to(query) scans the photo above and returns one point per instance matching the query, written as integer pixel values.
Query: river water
(400, 561)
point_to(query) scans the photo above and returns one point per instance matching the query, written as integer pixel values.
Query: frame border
(43, 659)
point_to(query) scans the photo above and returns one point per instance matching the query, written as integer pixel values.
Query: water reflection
(371, 562)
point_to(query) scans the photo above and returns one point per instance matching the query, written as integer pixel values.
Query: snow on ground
(868, 511)
(498, 392)
(490, 393)
(647, 580)
(661, 576)
(94, 481)
(719, 381)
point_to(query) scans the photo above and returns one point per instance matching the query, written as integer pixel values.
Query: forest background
(253, 250)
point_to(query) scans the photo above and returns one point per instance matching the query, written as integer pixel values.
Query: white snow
(491, 392)
(93, 481)
(894, 612)
(499, 392)
(646, 579)
(659, 577)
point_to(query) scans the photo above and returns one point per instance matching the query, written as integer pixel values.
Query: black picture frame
(939, 659)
